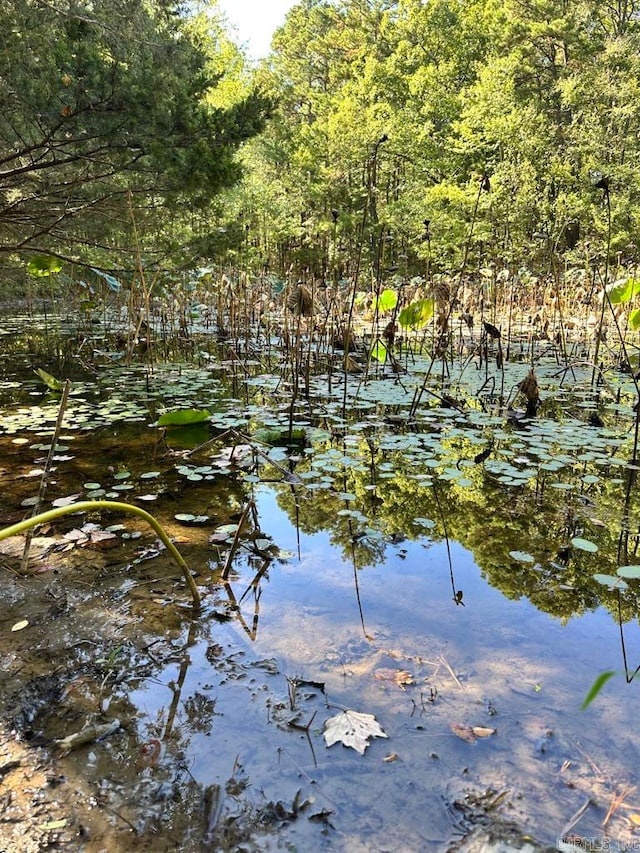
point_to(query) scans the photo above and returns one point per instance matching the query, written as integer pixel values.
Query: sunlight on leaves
(416, 315)
(379, 351)
(184, 417)
(49, 380)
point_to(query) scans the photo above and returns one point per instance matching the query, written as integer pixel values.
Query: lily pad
(631, 572)
(189, 518)
(522, 556)
(584, 545)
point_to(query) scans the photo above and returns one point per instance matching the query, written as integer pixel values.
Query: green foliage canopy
(108, 110)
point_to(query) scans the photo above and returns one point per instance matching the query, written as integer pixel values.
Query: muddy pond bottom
(220, 743)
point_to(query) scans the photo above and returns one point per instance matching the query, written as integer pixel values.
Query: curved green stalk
(92, 506)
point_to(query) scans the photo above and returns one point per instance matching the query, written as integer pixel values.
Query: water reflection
(425, 572)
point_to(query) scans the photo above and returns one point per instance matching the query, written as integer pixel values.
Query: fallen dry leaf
(481, 731)
(463, 732)
(400, 677)
(353, 729)
(471, 733)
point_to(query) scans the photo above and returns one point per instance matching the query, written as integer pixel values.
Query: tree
(107, 114)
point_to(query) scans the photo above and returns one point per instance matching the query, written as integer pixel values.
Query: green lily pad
(522, 556)
(584, 545)
(631, 572)
(610, 581)
(184, 417)
(189, 518)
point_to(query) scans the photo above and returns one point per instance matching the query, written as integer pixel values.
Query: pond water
(452, 571)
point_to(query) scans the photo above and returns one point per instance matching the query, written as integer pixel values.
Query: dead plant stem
(44, 481)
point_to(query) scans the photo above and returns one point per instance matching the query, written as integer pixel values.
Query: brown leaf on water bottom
(482, 731)
(399, 677)
(463, 732)
(470, 734)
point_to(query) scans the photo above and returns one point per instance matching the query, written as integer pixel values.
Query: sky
(256, 21)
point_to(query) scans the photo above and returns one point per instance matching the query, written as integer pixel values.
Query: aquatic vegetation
(115, 506)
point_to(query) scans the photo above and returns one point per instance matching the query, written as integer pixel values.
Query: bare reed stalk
(417, 397)
(44, 481)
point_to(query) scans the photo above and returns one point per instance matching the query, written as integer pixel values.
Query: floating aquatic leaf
(425, 522)
(610, 581)
(149, 475)
(184, 417)
(584, 545)
(224, 533)
(189, 518)
(522, 556)
(631, 572)
(70, 499)
(353, 729)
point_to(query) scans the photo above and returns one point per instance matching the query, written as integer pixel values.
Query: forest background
(378, 138)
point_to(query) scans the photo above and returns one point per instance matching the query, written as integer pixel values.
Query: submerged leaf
(352, 729)
(482, 731)
(463, 732)
(399, 677)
